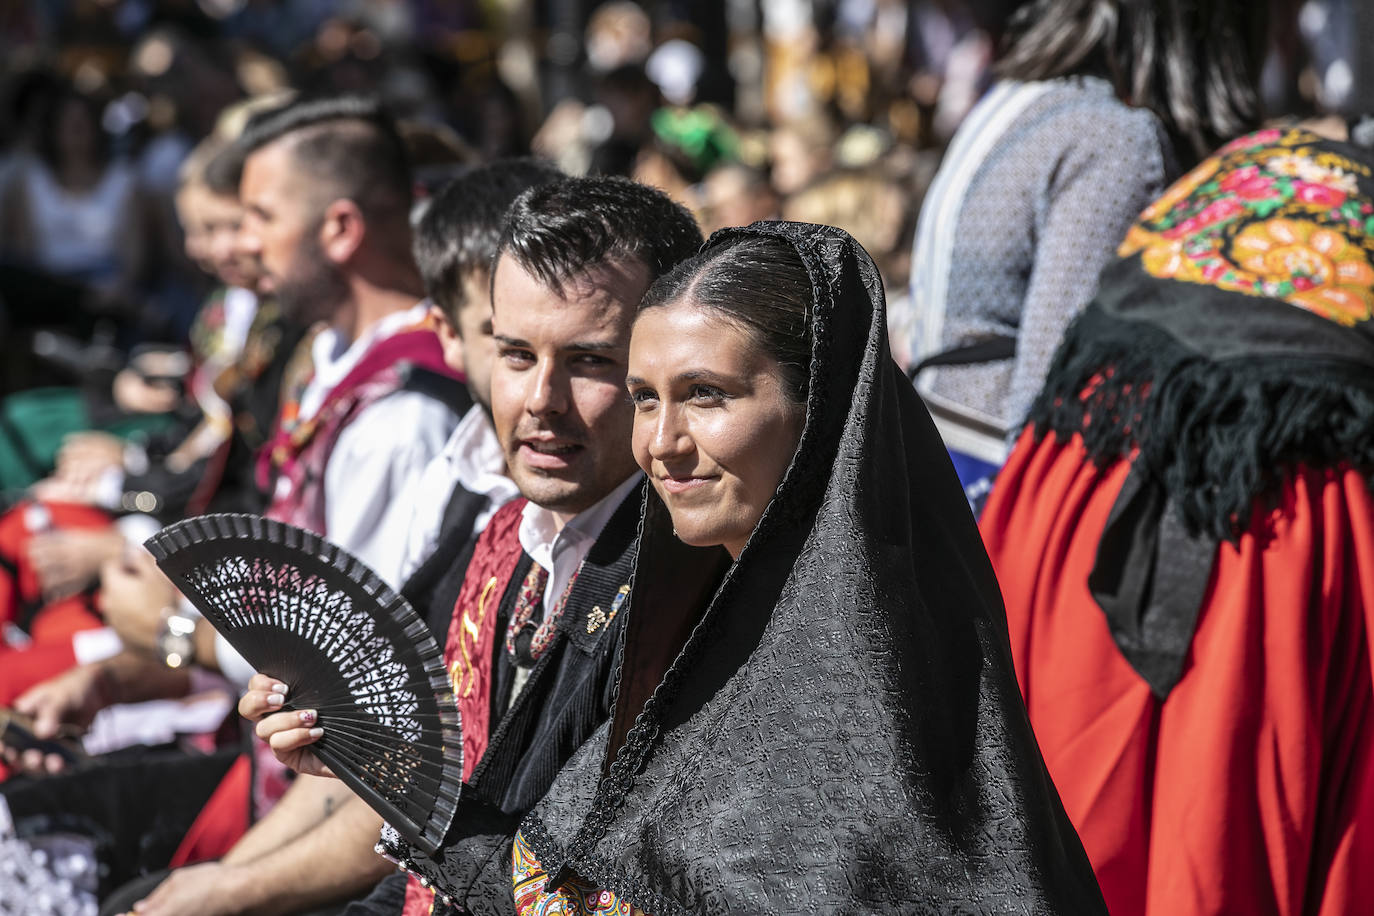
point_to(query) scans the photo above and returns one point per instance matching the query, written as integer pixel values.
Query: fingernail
(316, 732)
(275, 699)
(307, 717)
(279, 688)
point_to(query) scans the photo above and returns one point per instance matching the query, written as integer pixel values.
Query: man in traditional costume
(465, 484)
(326, 188)
(535, 626)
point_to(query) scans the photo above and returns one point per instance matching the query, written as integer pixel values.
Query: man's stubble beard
(312, 288)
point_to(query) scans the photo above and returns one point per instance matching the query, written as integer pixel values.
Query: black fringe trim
(1218, 433)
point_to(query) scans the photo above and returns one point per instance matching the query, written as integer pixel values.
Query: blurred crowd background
(129, 310)
(831, 111)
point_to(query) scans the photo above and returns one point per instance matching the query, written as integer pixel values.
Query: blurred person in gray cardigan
(1099, 106)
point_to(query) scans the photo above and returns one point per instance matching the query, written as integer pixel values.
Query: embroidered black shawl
(1231, 342)
(842, 730)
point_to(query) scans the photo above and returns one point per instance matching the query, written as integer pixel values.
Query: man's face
(558, 383)
(475, 341)
(280, 231)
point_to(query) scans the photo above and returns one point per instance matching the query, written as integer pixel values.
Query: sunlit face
(222, 217)
(279, 233)
(189, 203)
(558, 383)
(469, 348)
(713, 427)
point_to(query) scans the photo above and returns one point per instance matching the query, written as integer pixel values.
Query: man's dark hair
(1194, 63)
(349, 144)
(461, 226)
(561, 230)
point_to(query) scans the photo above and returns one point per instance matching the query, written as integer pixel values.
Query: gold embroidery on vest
(462, 667)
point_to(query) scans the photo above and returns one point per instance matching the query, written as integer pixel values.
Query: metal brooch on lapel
(599, 618)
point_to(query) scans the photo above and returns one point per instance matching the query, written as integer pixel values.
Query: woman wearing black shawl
(834, 725)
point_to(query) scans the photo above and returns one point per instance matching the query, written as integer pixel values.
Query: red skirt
(1250, 789)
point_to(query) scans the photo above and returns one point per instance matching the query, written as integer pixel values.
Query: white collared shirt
(562, 552)
(471, 458)
(379, 456)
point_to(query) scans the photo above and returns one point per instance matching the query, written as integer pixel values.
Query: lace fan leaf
(306, 611)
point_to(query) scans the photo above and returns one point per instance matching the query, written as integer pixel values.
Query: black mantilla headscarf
(842, 730)
(1231, 342)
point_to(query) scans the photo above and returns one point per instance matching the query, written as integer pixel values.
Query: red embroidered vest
(468, 650)
(299, 451)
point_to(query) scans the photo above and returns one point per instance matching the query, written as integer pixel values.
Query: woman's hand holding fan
(289, 734)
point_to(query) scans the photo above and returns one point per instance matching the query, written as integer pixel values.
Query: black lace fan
(304, 610)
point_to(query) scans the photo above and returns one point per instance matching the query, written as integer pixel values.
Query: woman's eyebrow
(696, 375)
(690, 375)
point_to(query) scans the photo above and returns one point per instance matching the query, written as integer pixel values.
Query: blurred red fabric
(1250, 789)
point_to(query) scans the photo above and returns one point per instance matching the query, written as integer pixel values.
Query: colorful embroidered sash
(571, 898)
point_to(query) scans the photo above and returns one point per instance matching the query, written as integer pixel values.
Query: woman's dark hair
(759, 284)
(1194, 63)
(49, 143)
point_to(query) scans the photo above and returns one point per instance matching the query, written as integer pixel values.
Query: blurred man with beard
(326, 190)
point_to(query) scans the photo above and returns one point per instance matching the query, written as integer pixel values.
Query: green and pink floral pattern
(1269, 215)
